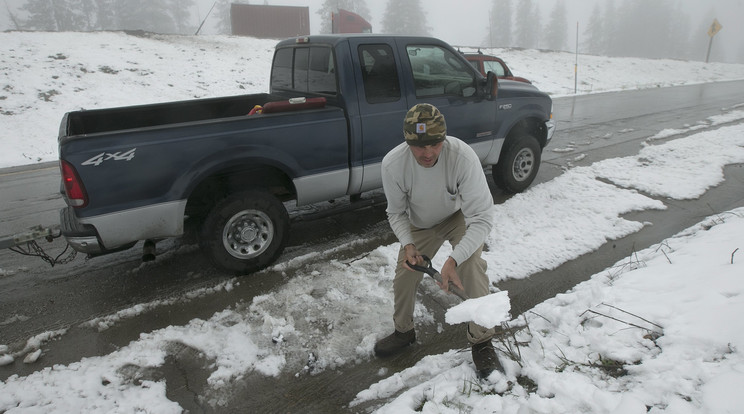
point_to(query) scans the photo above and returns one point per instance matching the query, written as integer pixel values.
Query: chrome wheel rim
(248, 234)
(524, 162)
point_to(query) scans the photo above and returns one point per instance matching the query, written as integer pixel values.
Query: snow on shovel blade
(487, 311)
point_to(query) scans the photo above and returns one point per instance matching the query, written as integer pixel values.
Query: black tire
(518, 164)
(245, 231)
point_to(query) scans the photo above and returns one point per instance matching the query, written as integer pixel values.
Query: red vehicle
(486, 63)
(347, 22)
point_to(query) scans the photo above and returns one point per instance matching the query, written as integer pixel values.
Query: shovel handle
(429, 270)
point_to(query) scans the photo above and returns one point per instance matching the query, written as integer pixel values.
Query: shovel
(434, 273)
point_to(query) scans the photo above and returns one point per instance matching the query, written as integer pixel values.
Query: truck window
(494, 66)
(304, 69)
(379, 74)
(321, 71)
(302, 56)
(438, 71)
(281, 72)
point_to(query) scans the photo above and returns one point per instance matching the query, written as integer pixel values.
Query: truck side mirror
(492, 85)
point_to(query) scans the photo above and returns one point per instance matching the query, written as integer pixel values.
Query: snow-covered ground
(658, 332)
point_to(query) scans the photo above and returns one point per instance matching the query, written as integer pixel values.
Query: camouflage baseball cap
(424, 125)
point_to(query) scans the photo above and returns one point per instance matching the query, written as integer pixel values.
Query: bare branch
(620, 320)
(631, 314)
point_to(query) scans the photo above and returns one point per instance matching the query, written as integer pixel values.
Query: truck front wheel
(245, 232)
(518, 164)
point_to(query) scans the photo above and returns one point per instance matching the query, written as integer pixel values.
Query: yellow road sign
(715, 27)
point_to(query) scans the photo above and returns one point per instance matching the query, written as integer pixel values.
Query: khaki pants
(472, 274)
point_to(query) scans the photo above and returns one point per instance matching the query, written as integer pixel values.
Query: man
(436, 191)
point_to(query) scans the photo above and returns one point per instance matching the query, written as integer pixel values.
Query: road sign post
(715, 27)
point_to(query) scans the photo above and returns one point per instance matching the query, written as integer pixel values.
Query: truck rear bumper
(87, 245)
(112, 232)
(80, 237)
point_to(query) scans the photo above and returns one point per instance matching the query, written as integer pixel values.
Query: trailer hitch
(24, 243)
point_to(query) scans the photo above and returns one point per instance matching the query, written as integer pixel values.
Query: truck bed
(143, 116)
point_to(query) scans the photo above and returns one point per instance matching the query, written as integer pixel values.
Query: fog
(465, 23)
(678, 31)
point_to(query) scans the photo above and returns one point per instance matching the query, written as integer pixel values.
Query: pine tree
(161, 16)
(12, 17)
(221, 13)
(556, 33)
(41, 15)
(610, 32)
(180, 11)
(405, 17)
(527, 25)
(147, 15)
(499, 24)
(58, 15)
(593, 37)
(332, 6)
(85, 12)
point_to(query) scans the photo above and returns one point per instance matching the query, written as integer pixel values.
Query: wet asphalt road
(36, 298)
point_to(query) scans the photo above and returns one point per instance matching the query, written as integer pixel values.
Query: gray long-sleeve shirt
(424, 197)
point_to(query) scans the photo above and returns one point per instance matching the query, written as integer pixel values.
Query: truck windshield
(304, 69)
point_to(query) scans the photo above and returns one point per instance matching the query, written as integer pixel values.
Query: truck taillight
(76, 195)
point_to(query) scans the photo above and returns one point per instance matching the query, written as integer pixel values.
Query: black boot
(485, 359)
(394, 343)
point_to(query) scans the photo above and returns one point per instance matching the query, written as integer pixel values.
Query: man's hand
(449, 274)
(413, 256)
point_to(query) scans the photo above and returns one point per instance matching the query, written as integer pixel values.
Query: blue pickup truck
(335, 108)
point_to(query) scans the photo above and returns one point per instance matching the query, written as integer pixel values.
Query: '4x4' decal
(105, 156)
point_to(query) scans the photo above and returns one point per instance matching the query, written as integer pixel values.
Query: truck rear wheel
(517, 165)
(246, 231)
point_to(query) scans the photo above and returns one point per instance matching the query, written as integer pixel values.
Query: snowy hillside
(45, 75)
